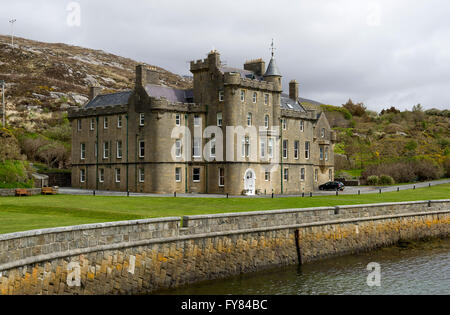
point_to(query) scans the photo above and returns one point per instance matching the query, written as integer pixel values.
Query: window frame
(178, 148)
(178, 172)
(307, 150)
(178, 120)
(255, 97)
(286, 174)
(119, 122)
(285, 146)
(105, 122)
(141, 175)
(82, 175)
(83, 151)
(141, 147)
(221, 177)
(119, 149)
(101, 175)
(141, 119)
(197, 121)
(117, 175)
(199, 174)
(296, 149)
(242, 96)
(219, 119)
(197, 148)
(106, 149)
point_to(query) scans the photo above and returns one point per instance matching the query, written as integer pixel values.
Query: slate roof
(113, 99)
(171, 94)
(290, 104)
(245, 74)
(272, 69)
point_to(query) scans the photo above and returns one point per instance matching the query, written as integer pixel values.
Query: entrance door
(250, 182)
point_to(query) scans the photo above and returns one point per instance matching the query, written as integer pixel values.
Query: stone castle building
(134, 140)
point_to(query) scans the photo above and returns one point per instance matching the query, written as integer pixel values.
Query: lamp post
(2, 83)
(12, 21)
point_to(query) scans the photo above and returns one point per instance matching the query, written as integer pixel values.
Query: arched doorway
(250, 182)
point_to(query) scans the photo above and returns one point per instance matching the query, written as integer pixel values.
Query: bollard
(429, 185)
(398, 189)
(380, 191)
(429, 203)
(93, 193)
(228, 196)
(337, 192)
(310, 194)
(128, 193)
(175, 194)
(414, 187)
(272, 195)
(359, 192)
(303, 195)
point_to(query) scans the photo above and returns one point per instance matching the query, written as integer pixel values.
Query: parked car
(332, 186)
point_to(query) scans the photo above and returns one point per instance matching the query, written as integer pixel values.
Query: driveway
(348, 191)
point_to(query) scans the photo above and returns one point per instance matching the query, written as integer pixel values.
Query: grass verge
(38, 212)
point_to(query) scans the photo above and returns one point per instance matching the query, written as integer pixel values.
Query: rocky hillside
(43, 80)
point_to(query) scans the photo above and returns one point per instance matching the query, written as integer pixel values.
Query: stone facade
(133, 150)
(139, 257)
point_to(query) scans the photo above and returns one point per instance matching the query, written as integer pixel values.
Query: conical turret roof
(272, 69)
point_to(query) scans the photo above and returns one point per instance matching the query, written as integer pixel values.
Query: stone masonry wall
(139, 257)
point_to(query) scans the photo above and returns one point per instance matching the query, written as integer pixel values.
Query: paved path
(348, 191)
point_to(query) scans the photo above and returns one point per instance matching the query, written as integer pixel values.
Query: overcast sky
(380, 52)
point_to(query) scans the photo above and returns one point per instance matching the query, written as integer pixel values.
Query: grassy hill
(409, 145)
(44, 80)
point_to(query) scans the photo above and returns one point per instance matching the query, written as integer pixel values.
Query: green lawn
(29, 213)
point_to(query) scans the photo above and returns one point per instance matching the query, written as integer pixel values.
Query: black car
(332, 186)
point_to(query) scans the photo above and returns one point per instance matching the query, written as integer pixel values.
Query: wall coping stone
(11, 236)
(270, 212)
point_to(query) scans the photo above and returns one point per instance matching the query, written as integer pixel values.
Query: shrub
(355, 109)
(406, 171)
(372, 180)
(386, 180)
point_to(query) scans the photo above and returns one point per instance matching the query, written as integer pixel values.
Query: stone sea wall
(140, 257)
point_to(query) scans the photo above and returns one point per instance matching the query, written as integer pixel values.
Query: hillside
(43, 81)
(410, 145)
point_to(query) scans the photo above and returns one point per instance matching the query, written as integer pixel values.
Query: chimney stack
(293, 90)
(94, 91)
(146, 76)
(258, 66)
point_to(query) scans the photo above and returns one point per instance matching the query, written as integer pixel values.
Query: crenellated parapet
(199, 65)
(97, 111)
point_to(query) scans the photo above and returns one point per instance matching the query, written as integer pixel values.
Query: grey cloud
(385, 53)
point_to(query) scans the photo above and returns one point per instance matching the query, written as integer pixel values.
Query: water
(418, 268)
